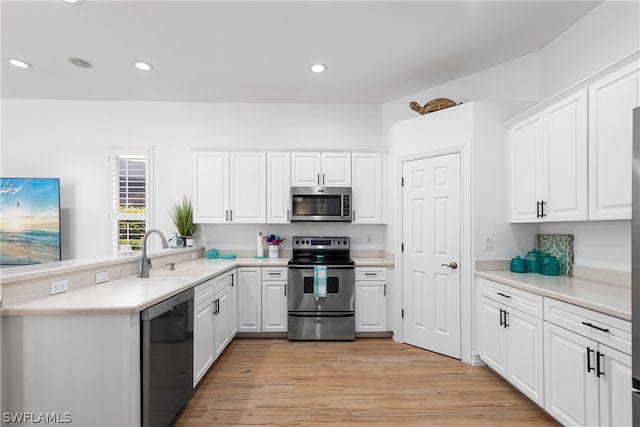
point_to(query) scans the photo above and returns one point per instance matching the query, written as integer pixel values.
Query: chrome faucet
(146, 262)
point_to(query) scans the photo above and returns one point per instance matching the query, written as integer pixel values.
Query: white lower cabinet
(203, 331)
(371, 299)
(510, 340)
(586, 381)
(249, 299)
(214, 324)
(274, 299)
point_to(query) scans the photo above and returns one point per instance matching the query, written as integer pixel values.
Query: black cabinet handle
(542, 203)
(589, 367)
(595, 327)
(285, 290)
(599, 373)
(501, 321)
(503, 295)
(538, 209)
(384, 289)
(506, 313)
(232, 280)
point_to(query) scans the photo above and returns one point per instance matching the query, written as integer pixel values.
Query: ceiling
(260, 51)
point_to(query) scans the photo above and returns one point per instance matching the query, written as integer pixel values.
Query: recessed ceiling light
(80, 62)
(143, 66)
(318, 68)
(19, 63)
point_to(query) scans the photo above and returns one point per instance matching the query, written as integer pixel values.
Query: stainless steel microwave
(321, 204)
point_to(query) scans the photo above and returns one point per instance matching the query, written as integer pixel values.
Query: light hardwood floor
(368, 382)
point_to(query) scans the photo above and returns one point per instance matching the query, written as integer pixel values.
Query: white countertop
(606, 298)
(133, 294)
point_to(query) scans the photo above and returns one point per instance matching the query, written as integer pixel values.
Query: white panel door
(492, 344)
(525, 355)
(278, 187)
(248, 199)
(211, 182)
(431, 237)
(611, 100)
(615, 383)
(249, 299)
(524, 170)
(233, 304)
(366, 185)
(305, 169)
(336, 170)
(570, 383)
(274, 306)
(565, 187)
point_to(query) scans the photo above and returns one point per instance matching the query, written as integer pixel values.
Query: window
(130, 182)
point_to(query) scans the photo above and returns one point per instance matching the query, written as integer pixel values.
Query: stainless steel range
(313, 317)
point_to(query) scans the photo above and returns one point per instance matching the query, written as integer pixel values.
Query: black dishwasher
(167, 359)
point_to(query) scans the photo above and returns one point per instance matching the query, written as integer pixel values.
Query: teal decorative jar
(518, 265)
(533, 261)
(549, 265)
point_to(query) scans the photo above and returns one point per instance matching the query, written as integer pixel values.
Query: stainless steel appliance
(323, 318)
(321, 204)
(635, 268)
(167, 359)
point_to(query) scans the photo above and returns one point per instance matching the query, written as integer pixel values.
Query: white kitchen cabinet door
(203, 346)
(336, 170)
(274, 306)
(249, 299)
(371, 306)
(248, 190)
(571, 386)
(233, 304)
(564, 185)
(211, 187)
(525, 169)
(222, 321)
(492, 340)
(305, 169)
(615, 383)
(278, 187)
(611, 100)
(525, 354)
(366, 185)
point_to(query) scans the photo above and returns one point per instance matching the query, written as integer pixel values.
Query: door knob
(453, 265)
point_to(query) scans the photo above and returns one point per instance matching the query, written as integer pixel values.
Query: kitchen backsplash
(561, 247)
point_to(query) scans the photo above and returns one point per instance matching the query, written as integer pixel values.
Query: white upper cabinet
(564, 197)
(611, 100)
(211, 192)
(548, 163)
(525, 169)
(278, 187)
(320, 169)
(248, 199)
(230, 187)
(366, 169)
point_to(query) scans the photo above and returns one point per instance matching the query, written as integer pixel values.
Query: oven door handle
(321, 314)
(310, 266)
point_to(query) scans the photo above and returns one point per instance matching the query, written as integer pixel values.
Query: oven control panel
(300, 242)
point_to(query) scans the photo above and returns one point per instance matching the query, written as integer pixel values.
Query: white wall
(604, 35)
(69, 139)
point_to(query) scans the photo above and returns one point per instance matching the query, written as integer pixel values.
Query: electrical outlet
(102, 276)
(488, 244)
(58, 286)
(369, 239)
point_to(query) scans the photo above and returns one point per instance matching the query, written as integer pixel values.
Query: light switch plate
(102, 276)
(58, 286)
(488, 244)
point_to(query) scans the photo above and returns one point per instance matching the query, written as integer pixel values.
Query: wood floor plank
(368, 382)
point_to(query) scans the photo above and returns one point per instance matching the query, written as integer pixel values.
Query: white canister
(274, 251)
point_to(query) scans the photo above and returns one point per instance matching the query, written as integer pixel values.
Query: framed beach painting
(29, 220)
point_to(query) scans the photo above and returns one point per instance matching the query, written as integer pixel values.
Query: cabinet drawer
(515, 298)
(600, 327)
(222, 281)
(203, 292)
(371, 273)
(274, 273)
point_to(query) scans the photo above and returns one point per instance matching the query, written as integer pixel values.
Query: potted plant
(182, 216)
